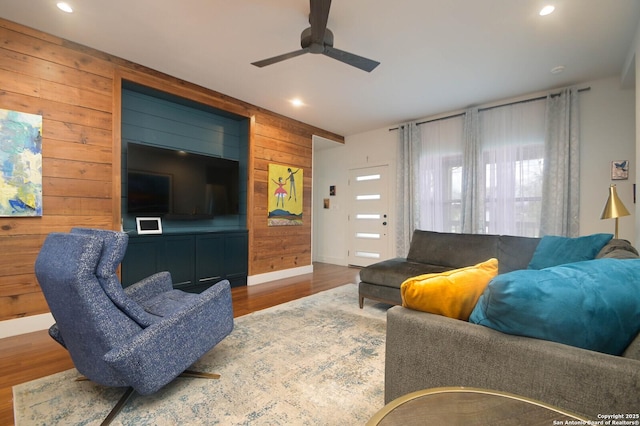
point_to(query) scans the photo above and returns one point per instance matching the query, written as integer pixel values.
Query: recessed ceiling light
(547, 10)
(296, 102)
(64, 7)
(557, 70)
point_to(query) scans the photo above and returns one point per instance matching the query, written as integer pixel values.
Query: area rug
(313, 361)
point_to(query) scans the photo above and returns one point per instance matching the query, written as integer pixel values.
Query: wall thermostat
(149, 225)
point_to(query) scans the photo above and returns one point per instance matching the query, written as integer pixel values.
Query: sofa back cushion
(618, 249)
(451, 249)
(515, 252)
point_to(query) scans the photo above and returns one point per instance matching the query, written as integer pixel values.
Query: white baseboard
(15, 327)
(278, 275)
(342, 261)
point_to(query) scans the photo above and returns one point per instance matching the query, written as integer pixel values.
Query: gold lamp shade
(614, 208)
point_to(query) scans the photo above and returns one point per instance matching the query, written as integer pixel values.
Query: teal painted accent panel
(181, 114)
(162, 123)
(219, 145)
(159, 121)
(244, 169)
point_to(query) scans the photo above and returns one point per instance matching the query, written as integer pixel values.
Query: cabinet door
(235, 258)
(143, 258)
(195, 261)
(210, 260)
(150, 254)
(178, 254)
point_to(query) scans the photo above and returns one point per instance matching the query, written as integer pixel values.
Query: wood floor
(34, 355)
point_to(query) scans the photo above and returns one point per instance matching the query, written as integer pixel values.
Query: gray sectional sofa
(438, 252)
(432, 252)
(425, 350)
(428, 351)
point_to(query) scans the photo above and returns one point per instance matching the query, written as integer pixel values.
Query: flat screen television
(180, 185)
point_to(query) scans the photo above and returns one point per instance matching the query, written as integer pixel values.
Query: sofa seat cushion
(555, 250)
(593, 304)
(452, 293)
(393, 272)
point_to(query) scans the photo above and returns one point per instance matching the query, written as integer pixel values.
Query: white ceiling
(436, 55)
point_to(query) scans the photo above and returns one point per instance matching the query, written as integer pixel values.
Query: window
(452, 204)
(439, 182)
(508, 194)
(513, 194)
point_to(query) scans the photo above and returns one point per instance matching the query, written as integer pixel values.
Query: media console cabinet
(196, 261)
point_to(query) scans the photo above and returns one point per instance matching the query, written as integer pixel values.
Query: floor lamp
(614, 208)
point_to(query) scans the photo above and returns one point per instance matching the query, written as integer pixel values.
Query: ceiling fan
(319, 39)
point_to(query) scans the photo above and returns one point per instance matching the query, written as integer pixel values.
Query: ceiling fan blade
(318, 19)
(275, 59)
(360, 62)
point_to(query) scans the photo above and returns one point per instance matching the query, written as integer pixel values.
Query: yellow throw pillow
(452, 293)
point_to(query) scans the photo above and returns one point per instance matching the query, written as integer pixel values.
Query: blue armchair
(141, 337)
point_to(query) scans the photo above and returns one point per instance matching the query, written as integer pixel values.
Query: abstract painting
(285, 195)
(20, 164)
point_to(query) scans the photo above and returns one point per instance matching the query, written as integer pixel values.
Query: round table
(468, 407)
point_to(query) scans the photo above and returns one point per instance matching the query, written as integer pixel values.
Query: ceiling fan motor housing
(305, 41)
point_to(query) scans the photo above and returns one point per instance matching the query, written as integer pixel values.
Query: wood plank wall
(77, 90)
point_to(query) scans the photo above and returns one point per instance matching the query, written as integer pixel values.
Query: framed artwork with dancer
(285, 187)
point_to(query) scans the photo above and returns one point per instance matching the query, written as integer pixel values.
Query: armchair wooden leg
(118, 407)
(129, 392)
(199, 375)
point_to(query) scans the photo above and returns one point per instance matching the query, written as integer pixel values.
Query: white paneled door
(368, 215)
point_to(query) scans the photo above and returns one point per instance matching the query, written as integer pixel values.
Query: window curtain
(511, 140)
(407, 203)
(472, 217)
(439, 178)
(561, 181)
(511, 169)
